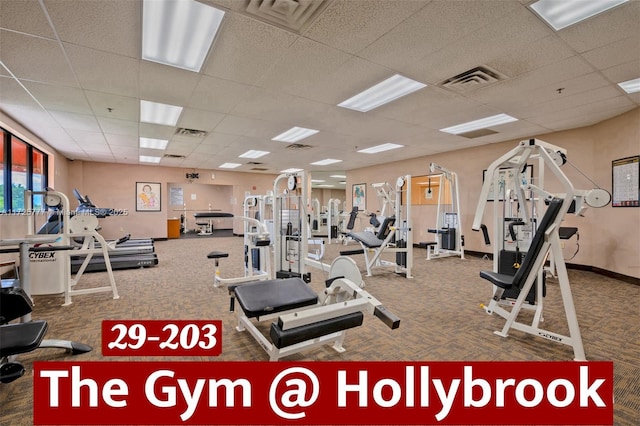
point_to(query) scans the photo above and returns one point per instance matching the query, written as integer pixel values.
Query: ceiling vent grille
(472, 79)
(174, 156)
(298, 147)
(254, 163)
(191, 133)
(293, 15)
(259, 169)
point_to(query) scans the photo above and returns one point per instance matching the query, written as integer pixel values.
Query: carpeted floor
(439, 308)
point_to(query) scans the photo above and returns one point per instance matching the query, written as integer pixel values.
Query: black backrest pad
(385, 228)
(537, 243)
(352, 218)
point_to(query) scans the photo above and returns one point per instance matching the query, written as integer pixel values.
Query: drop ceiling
(72, 75)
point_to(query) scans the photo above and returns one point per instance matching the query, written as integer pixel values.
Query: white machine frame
(344, 296)
(450, 180)
(401, 230)
(552, 157)
(82, 225)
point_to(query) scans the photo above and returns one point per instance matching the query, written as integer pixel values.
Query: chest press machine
(545, 243)
(301, 318)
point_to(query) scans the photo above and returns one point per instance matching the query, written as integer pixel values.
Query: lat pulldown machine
(449, 240)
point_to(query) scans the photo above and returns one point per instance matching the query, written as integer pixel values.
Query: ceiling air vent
(254, 163)
(174, 156)
(472, 79)
(293, 15)
(192, 133)
(298, 147)
(259, 169)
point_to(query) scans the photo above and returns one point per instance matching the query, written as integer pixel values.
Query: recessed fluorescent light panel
(380, 148)
(295, 134)
(153, 112)
(483, 123)
(253, 154)
(318, 181)
(325, 186)
(630, 86)
(325, 162)
(292, 170)
(389, 90)
(338, 176)
(148, 159)
(153, 143)
(178, 33)
(229, 165)
(563, 13)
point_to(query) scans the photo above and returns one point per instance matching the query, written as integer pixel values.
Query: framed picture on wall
(626, 182)
(148, 197)
(359, 194)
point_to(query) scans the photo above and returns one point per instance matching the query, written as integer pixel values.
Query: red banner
(209, 393)
(161, 338)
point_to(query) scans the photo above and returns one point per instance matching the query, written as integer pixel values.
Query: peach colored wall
(114, 185)
(609, 237)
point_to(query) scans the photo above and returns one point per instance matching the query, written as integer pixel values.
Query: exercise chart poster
(626, 182)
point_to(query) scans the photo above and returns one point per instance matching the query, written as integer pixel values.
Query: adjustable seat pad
(21, 337)
(369, 239)
(271, 296)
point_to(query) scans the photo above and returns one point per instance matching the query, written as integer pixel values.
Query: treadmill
(127, 254)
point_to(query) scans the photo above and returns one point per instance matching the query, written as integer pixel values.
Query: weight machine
(504, 181)
(389, 237)
(449, 239)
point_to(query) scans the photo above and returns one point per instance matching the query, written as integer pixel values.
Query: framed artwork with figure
(148, 196)
(359, 194)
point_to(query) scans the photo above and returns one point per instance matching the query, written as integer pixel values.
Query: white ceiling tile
(124, 141)
(214, 94)
(59, 98)
(616, 53)
(214, 139)
(616, 24)
(113, 106)
(530, 56)
(104, 72)
(180, 148)
(245, 49)
(35, 58)
(198, 119)
(25, 16)
(245, 126)
(84, 138)
(74, 121)
(153, 88)
(624, 72)
(510, 32)
(111, 26)
(432, 28)
(12, 93)
(351, 25)
(305, 62)
(118, 127)
(156, 131)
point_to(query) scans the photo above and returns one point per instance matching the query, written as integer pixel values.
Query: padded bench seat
(283, 338)
(19, 338)
(272, 296)
(369, 239)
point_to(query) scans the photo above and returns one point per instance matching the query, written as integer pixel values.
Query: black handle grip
(387, 317)
(512, 232)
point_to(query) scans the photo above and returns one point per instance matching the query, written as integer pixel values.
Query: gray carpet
(439, 308)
